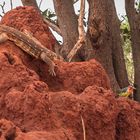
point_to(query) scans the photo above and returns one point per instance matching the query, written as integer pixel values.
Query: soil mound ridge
(35, 105)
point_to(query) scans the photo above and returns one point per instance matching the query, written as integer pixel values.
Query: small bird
(126, 92)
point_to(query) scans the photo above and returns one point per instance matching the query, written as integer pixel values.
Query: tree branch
(130, 10)
(74, 1)
(11, 3)
(40, 3)
(2, 8)
(30, 3)
(34, 3)
(53, 26)
(81, 31)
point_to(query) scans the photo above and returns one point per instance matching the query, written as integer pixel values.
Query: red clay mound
(62, 111)
(28, 18)
(75, 76)
(128, 122)
(10, 132)
(40, 106)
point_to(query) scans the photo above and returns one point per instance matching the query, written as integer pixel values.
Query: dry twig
(84, 130)
(11, 3)
(81, 31)
(40, 3)
(2, 8)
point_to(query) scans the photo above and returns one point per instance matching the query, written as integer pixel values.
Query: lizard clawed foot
(52, 72)
(50, 63)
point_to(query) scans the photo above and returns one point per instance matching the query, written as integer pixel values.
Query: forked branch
(2, 8)
(81, 31)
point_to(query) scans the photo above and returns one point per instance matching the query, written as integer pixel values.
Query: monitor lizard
(30, 45)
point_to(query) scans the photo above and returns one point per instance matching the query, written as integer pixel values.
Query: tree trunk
(104, 34)
(134, 21)
(29, 3)
(68, 24)
(117, 50)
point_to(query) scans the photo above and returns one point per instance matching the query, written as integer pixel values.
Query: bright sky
(49, 4)
(120, 7)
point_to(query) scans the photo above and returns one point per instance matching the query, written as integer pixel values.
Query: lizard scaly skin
(30, 45)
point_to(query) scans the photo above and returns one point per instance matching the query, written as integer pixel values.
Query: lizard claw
(50, 63)
(52, 72)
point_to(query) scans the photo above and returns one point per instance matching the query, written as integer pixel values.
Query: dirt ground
(36, 106)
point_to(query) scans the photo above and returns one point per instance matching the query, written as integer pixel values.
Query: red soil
(35, 105)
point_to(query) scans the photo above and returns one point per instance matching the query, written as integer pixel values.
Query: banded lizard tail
(30, 45)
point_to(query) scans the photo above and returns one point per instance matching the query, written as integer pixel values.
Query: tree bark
(117, 50)
(134, 21)
(68, 24)
(104, 34)
(29, 3)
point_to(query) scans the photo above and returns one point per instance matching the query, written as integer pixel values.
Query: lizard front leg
(3, 37)
(47, 60)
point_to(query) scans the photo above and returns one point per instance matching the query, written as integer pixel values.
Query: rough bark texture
(68, 24)
(134, 21)
(117, 51)
(29, 3)
(104, 34)
(99, 34)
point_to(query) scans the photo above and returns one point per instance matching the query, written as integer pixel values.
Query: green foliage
(50, 15)
(126, 40)
(137, 5)
(125, 28)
